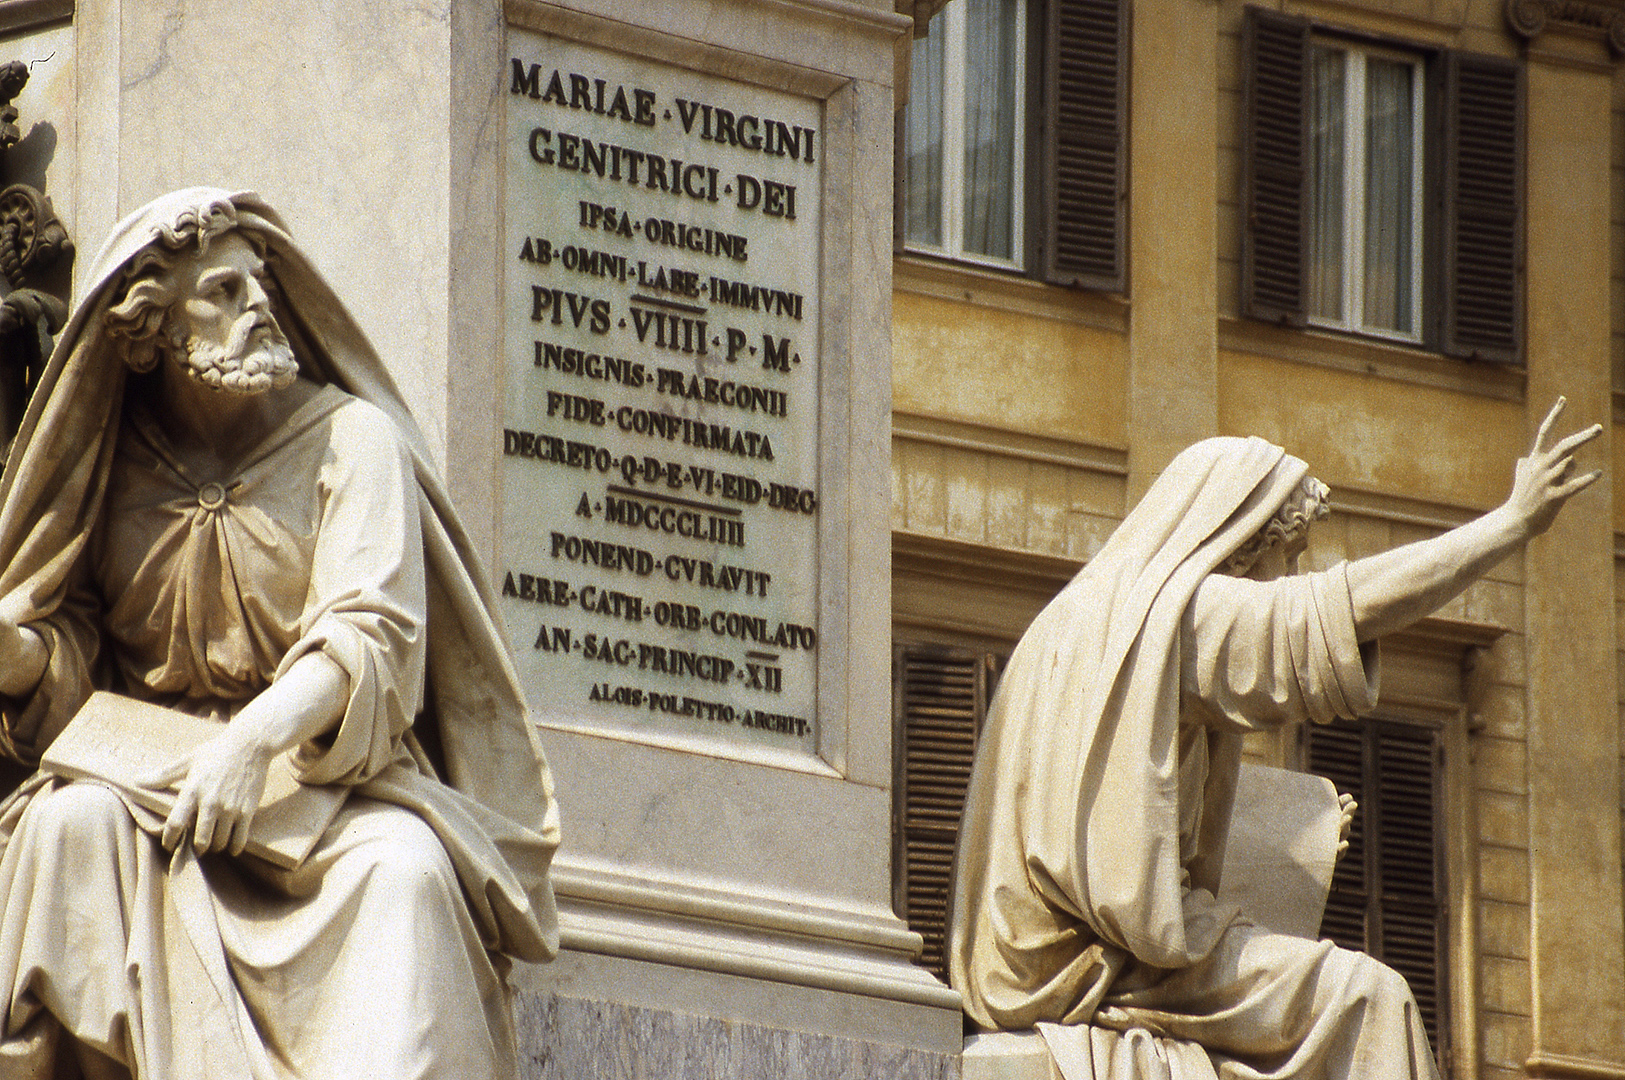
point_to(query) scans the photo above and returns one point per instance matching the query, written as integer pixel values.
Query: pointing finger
(1546, 424)
(1578, 439)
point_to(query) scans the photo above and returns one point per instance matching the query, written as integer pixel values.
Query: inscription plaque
(660, 424)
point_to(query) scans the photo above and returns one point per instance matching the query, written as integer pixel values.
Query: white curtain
(991, 100)
(1388, 184)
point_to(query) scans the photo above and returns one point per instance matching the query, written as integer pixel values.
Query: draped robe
(1084, 900)
(312, 545)
(382, 953)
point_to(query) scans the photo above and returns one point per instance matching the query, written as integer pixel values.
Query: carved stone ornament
(32, 241)
(1529, 18)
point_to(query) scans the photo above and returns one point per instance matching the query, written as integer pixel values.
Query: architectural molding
(1387, 360)
(980, 438)
(609, 32)
(1604, 19)
(966, 563)
(1002, 290)
(605, 911)
(1568, 1067)
(1399, 509)
(921, 11)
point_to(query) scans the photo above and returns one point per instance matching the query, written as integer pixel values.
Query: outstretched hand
(1543, 480)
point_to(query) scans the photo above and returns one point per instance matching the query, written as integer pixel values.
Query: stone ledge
(1007, 1055)
(564, 1038)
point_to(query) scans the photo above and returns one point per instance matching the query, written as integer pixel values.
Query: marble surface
(562, 1038)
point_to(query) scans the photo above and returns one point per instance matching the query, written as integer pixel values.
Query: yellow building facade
(1029, 416)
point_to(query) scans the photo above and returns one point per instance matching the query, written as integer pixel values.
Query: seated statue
(219, 504)
(1086, 893)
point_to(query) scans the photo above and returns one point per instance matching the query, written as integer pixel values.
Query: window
(966, 133)
(1012, 145)
(1382, 189)
(1365, 191)
(1387, 897)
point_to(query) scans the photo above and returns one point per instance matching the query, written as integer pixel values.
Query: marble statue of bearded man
(1085, 894)
(218, 503)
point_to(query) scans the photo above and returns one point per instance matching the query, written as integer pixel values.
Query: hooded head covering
(1069, 854)
(55, 477)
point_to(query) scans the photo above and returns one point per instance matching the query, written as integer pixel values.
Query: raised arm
(1394, 589)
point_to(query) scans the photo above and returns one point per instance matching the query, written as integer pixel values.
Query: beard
(254, 359)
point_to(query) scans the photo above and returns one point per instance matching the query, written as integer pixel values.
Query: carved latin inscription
(660, 437)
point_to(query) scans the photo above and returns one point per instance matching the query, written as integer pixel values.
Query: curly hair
(1306, 504)
(138, 317)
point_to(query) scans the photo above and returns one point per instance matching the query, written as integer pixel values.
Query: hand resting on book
(225, 777)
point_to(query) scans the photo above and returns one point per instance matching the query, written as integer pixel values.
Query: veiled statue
(1087, 900)
(219, 510)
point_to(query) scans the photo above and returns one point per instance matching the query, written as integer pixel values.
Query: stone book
(125, 743)
(1283, 848)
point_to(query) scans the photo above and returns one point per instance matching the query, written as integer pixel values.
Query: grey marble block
(563, 1038)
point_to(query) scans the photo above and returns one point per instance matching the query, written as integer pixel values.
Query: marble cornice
(1601, 18)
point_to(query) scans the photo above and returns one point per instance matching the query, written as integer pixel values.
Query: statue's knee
(412, 864)
(1375, 980)
(78, 814)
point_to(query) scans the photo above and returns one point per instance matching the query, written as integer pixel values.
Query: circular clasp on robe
(211, 496)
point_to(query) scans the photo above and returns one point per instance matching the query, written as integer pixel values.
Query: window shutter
(1407, 759)
(939, 697)
(1273, 148)
(1386, 898)
(1481, 308)
(1084, 142)
(1337, 752)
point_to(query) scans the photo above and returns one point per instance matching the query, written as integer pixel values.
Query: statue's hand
(1542, 482)
(224, 781)
(1345, 803)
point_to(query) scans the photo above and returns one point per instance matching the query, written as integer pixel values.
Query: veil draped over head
(1075, 792)
(52, 490)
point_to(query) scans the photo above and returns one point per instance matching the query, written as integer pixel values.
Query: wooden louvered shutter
(1481, 303)
(1274, 145)
(1411, 929)
(1085, 143)
(1337, 752)
(1387, 897)
(939, 698)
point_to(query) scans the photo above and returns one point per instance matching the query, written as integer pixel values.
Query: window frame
(1356, 167)
(952, 18)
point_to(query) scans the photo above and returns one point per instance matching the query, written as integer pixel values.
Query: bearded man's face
(221, 321)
